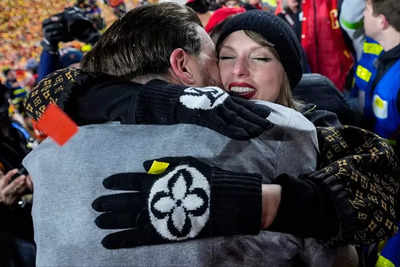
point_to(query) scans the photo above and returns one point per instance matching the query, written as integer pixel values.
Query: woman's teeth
(237, 89)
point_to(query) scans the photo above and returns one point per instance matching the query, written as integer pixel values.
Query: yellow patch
(380, 107)
(383, 262)
(363, 73)
(372, 48)
(379, 102)
(158, 167)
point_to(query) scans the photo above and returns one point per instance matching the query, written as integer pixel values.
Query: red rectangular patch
(56, 124)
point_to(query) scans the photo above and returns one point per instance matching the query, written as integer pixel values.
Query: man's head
(380, 15)
(164, 40)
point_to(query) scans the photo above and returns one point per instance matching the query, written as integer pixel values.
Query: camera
(79, 26)
(69, 25)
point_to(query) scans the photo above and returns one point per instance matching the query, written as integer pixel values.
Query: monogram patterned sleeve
(361, 173)
(55, 88)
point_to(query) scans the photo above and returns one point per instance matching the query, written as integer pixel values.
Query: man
(376, 78)
(380, 99)
(16, 232)
(376, 83)
(178, 211)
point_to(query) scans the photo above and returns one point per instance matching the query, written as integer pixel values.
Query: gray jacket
(67, 179)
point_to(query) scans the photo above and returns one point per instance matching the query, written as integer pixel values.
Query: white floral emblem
(203, 98)
(179, 203)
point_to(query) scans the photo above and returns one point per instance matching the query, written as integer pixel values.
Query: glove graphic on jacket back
(211, 107)
(183, 199)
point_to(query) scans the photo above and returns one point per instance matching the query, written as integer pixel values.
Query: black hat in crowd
(276, 31)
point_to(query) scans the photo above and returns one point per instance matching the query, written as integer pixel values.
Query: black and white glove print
(178, 199)
(211, 107)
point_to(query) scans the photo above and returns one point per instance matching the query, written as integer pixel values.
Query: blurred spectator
(270, 5)
(70, 56)
(246, 4)
(377, 83)
(32, 66)
(118, 6)
(215, 4)
(232, 3)
(252, 4)
(291, 13)
(16, 92)
(31, 73)
(201, 7)
(220, 15)
(92, 11)
(324, 43)
(66, 26)
(351, 21)
(16, 234)
(11, 78)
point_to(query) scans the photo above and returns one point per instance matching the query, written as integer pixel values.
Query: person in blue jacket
(377, 83)
(378, 77)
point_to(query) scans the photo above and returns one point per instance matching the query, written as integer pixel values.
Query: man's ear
(180, 67)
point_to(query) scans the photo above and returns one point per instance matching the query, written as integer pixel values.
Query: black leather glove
(211, 107)
(54, 31)
(186, 199)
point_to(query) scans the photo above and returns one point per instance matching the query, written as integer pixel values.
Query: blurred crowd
(20, 37)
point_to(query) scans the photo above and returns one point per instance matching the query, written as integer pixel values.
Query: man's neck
(390, 39)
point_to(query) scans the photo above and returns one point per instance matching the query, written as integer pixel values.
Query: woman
(258, 46)
(248, 63)
(259, 58)
(284, 58)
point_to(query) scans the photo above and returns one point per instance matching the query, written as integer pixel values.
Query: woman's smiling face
(249, 69)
